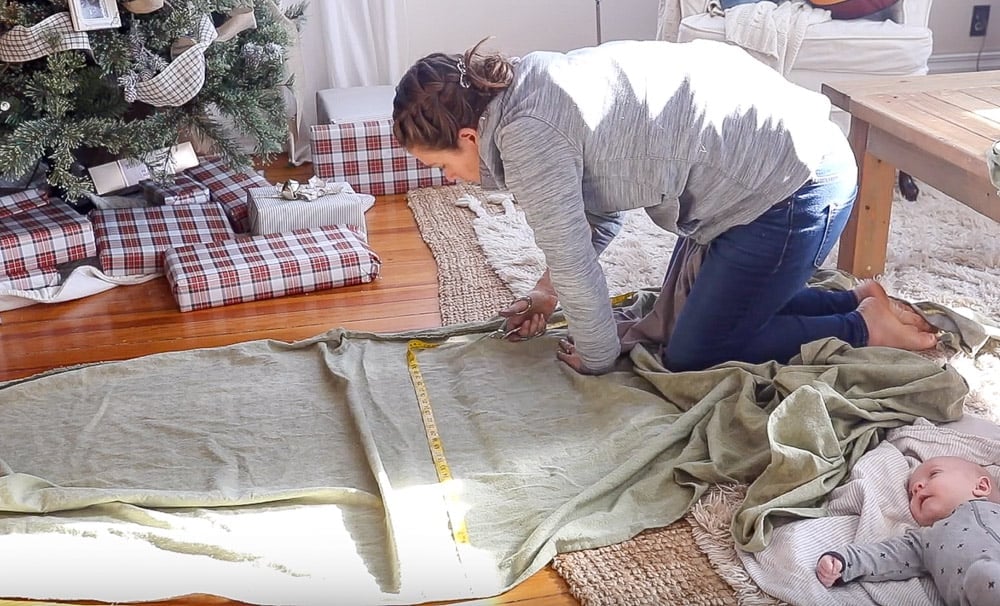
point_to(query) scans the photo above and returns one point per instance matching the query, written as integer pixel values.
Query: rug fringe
(710, 520)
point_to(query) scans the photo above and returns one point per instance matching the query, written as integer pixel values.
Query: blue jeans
(749, 301)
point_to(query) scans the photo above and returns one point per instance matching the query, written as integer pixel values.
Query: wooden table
(937, 128)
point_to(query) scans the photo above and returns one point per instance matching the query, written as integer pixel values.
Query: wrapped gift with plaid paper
(229, 188)
(248, 268)
(39, 278)
(131, 241)
(366, 155)
(41, 238)
(17, 202)
(183, 190)
(335, 204)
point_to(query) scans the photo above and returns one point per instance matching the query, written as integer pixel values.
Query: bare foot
(886, 329)
(872, 289)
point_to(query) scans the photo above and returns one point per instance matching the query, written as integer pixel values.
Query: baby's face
(941, 484)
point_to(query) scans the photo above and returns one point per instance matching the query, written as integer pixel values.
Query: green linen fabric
(544, 460)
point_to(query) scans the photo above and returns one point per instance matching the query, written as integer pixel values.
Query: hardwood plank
(937, 128)
(841, 92)
(990, 94)
(972, 189)
(974, 100)
(131, 321)
(937, 136)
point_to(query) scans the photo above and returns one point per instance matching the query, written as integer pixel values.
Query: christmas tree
(79, 88)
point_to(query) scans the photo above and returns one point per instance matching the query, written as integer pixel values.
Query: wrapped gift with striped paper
(248, 268)
(131, 241)
(183, 190)
(229, 188)
(270, 213)
(366, 155)
(42, 238)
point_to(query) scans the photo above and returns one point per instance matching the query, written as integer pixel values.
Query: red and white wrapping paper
(184, 190)
(18, 202)
(229, 188)
(42, 238)
(131, 241)
(366, 155)
(263, 267)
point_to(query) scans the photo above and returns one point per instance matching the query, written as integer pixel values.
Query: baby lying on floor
(958, 543)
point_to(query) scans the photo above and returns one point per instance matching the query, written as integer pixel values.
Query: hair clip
(462, 79)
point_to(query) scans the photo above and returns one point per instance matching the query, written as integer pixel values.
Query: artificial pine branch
(70, 107)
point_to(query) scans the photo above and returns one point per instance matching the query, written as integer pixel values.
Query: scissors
(502, 332)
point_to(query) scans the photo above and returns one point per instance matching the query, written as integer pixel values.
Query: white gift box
(129, 172)
(272, 214)
(354, 104)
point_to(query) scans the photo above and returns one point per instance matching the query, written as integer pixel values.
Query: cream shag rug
(939, 250)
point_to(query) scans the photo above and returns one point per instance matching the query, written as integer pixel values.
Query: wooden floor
(130, 321)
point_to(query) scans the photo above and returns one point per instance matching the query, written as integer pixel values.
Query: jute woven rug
(469, 290)
(658, 567)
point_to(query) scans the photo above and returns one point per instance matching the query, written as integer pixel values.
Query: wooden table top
(954, 118)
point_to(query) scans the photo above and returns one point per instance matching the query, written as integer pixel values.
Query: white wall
(954, 49)
(521, 26)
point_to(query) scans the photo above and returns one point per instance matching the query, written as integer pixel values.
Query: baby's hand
(828, 570)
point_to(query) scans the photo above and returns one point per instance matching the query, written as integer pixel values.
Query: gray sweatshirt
(947, 551)
(701, 135)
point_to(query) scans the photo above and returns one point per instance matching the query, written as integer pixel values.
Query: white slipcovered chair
(825, 50)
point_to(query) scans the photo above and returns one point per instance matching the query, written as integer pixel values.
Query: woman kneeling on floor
(746, 167)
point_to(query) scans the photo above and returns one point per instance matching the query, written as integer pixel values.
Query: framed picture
(94, 14)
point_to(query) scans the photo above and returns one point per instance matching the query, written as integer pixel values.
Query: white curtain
(670, 15)
(344, 43)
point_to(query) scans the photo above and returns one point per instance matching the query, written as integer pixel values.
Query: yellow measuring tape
(622, 298)
(458, 528)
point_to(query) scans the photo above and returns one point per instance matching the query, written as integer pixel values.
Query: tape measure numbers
(458, 527)
(459, 530)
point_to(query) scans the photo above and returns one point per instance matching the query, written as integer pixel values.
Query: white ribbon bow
(316, 188)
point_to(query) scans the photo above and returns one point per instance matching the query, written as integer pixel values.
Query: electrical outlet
(980, 20)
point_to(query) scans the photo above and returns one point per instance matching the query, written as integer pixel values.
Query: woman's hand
(567, 353)
(527, 316)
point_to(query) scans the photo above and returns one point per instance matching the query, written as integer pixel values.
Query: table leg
(866, 236)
